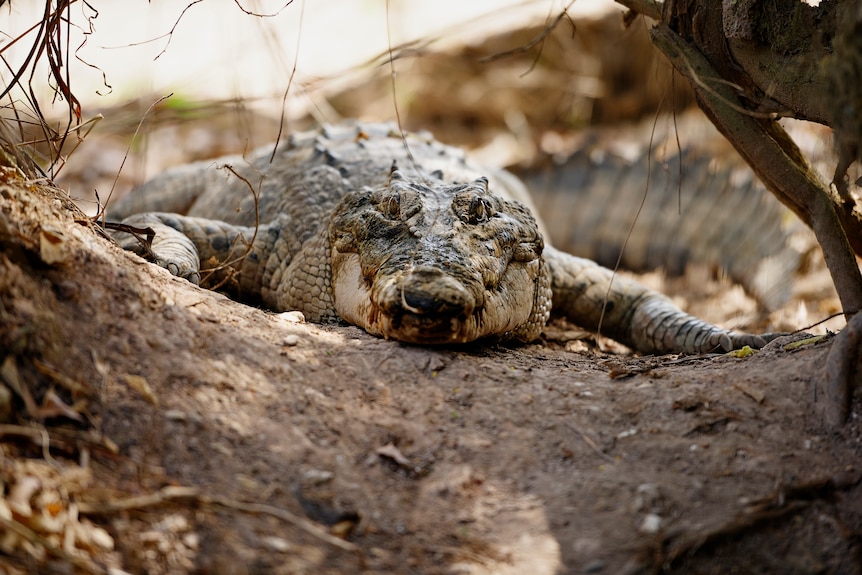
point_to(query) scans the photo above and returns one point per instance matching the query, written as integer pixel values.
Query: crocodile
(398, 234)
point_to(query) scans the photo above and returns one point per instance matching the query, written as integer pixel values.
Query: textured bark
(779, 46)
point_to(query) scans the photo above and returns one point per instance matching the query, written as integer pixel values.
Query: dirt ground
(219, 438)
(148, 426)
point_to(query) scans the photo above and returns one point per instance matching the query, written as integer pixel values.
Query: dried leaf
(803, 342)
(53, 247)
(754, 394)
(141, 385)
(389, 450)
(743, 352)
(53, 406)
(9, 374)
(20, 494)
(77, 388)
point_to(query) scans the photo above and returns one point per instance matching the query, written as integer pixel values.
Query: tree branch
(649, 8)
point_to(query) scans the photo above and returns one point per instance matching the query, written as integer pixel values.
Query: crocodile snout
(426, 305)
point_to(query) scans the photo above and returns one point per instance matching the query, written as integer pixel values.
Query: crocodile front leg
(170, 248)
(635, 315)
(208, 252)
(270, 266)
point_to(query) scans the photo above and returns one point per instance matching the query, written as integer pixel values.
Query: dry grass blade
(76, 387)
(537, 41)
(287, 516)
(38, 435)
(50, 46)
(13, 154)
(46, 544)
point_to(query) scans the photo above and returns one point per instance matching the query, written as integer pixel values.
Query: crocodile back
(695, 210)
(307, 174)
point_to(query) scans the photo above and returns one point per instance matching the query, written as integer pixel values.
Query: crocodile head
(425, 261)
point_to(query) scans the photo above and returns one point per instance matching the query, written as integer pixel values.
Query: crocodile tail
(174, 190)
(719, 215)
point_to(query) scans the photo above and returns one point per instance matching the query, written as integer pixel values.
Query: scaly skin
(697, 209)
(437, 250)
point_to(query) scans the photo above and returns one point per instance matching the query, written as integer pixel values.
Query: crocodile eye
(391, 207)
(480, 211)
(473, 204)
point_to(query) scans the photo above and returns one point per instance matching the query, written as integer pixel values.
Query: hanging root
(843, 372)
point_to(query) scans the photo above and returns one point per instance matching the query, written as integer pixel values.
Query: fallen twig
(590, 443)
(193, 494)
(37, 435)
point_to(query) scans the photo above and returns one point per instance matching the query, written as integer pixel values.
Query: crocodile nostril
(420, 302)
(433, 293)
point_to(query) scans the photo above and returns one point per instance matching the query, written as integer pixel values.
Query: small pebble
(175, 415)
(277, 544)
(192, 541)
(291, 340)
(317, 476)
(292, 316)
(249, 484)
(651, 523)
(67, 290)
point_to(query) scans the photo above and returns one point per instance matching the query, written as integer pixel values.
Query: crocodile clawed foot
(181, 270)
(733, 340)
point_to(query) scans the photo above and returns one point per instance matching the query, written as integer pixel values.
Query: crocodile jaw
(379, 307)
